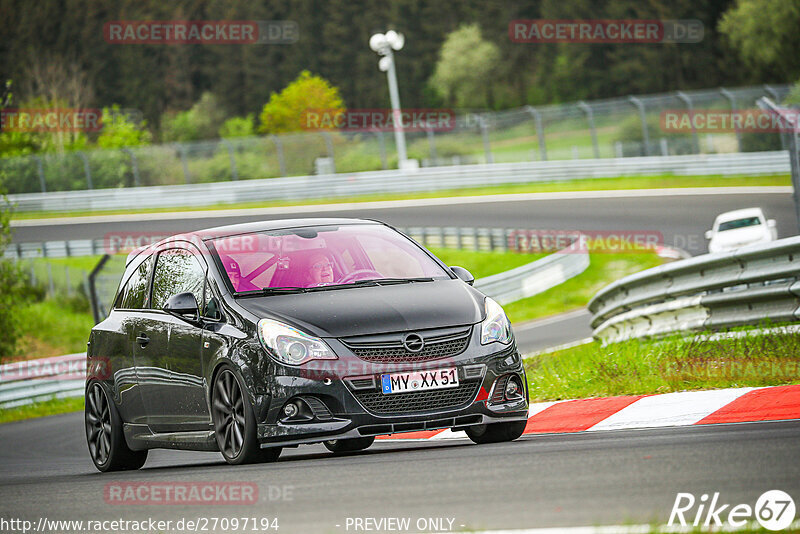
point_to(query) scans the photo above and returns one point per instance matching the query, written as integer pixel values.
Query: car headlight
(496, 326)
(291, 346)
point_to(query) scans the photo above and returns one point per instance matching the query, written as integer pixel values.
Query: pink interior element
(356, 252)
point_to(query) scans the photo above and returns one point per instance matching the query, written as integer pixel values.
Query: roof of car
(740, 214)
(261, 226)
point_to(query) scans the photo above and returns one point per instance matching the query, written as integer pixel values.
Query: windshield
(739, 223)
(322, 256)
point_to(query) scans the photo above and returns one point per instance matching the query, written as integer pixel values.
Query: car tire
(339, 446)
(234, 421)
(104, 434)
(496, 432)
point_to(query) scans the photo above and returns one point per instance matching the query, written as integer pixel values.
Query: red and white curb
(737, 405)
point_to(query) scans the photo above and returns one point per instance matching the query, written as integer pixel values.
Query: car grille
(390, 349)
(418, 401)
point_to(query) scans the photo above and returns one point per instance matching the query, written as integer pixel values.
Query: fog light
(512, 389)
(290, 410)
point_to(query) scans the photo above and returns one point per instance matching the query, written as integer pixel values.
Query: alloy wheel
(98, 424)
(228, 410)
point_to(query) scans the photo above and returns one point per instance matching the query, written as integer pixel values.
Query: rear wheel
(104, 434)
(496, 432)
(338, 446)
(235, 422)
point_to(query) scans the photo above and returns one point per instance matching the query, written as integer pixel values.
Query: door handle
(142, 340)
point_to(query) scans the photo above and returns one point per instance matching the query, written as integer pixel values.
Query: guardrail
(397, 181)
(46, 378)
(715, 291)
(534, 278)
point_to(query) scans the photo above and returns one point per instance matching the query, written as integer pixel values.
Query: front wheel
(104, 434)
(496, 432)
(235, 422)
(338, 446)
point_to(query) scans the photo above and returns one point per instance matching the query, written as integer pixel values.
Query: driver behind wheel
(320, 270)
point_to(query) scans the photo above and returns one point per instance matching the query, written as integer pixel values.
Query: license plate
(419, 380)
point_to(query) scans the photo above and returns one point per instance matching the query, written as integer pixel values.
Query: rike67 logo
(774, 510)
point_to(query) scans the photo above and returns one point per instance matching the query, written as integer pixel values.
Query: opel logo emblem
(413, 343)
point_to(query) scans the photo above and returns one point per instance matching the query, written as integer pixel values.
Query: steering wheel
(362, 274)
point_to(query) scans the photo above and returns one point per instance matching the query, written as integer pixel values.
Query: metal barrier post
(382, 145)
(86, 169)
(234, 173)
(40, 168)
(134, 167)
(643, 118)
(539, 130)
(432, 146)
(732, 100)
(485, 134)
(279, 149)
(93, 300)
(686, 99)
(590, 118)
(329, 146)
(182, 150)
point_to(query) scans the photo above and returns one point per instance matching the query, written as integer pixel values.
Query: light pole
(384, 45)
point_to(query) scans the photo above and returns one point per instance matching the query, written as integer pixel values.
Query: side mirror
(709, 234)
(463, 274)
(771, 223)
(183, 305)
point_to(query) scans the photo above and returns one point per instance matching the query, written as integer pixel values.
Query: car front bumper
(351, 409)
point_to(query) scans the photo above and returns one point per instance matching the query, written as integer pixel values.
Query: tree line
(457, 53)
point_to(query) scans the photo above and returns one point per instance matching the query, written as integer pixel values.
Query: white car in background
(734, 229)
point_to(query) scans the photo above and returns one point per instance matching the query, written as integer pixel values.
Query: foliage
(202, 121)
(793, 98)
(12, 290)
(765, 34)
(238, 127)
(120, 131)
(466, 62)
(288, 110)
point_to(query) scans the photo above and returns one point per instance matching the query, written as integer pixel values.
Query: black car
(248, 338)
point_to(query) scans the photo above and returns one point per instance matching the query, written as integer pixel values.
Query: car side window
(177, 271)
(134, 294)
(211, 308)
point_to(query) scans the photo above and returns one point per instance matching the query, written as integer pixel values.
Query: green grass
(53, 327)
(482, 264)
(576, 292)
(598, 184)
(41, 409)
(675, 363)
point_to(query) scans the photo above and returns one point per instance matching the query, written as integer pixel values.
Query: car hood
(738, 237)
(372, 310)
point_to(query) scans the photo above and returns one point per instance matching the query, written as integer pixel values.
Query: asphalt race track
(681, 219)
(603, 478)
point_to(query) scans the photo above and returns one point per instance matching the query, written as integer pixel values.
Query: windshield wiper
(372, 282)
(277, 291)
(383, 281)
